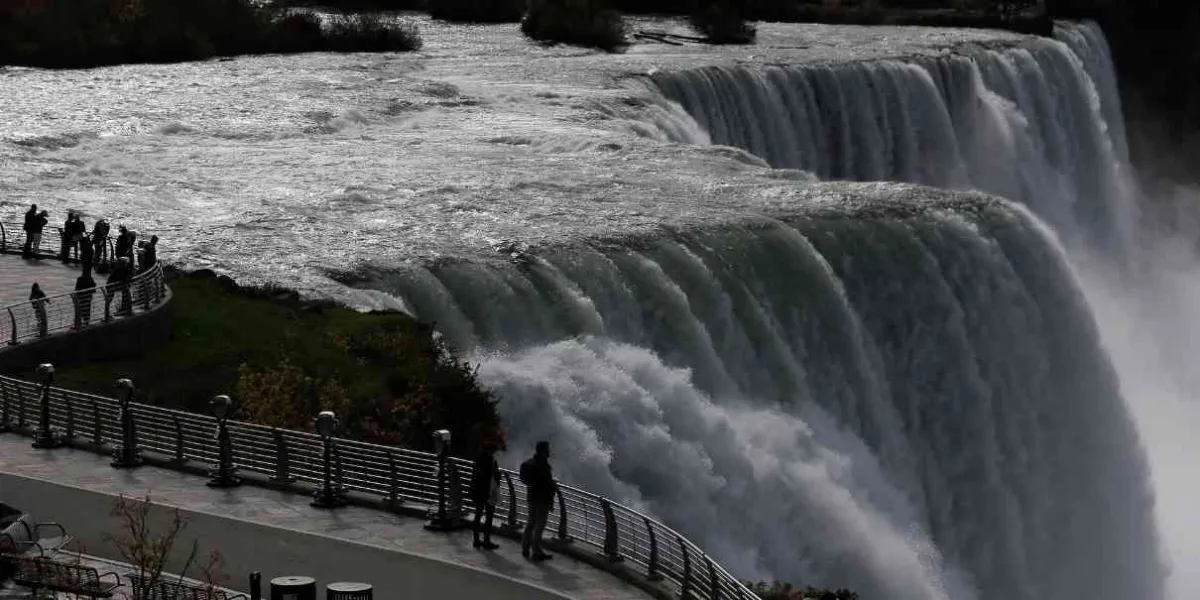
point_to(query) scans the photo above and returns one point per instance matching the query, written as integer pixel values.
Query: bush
(587, 23)
(478, 11)
(88, 33)
(721, 22)
(786, 591)
(369, 32)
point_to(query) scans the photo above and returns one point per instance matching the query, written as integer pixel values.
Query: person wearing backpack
(540, 490)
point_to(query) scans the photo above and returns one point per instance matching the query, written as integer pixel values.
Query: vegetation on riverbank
(88, 33)
(590, 23)
(786, 591)
(388, 378)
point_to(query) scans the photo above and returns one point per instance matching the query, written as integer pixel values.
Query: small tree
(722, 22)
(590, 23)
(148, 549)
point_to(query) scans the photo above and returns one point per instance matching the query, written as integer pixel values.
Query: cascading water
(907, 397)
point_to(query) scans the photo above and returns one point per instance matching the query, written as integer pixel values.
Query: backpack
(526, 471)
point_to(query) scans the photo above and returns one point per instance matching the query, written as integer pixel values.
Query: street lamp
(327, 496)
(45, 438)
(127, 455)
(223, 475)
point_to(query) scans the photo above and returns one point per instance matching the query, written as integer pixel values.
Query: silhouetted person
(124, 244)
(65, 233)
(86, 254)
(485, 493)
(30, 219)
(78, 231)
(35, 233)
(100, 241)
(85, 288)
(118, 282)
(540, 488)
(38, 299)
(150, 254)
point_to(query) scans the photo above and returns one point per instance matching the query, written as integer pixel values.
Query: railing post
(393, 499)
(652, 573)
(222, 476)
(4, 409)
(108, 299)
(45, 437)
(563, 535)
(282, 462)
(685, 588)
(3, 238)
(180, 452)
(20, 409)
(97, 427)
(714, 588)
(69, 434)
(327, 496)
(612, 546)
(511, 523)
(12, 319)
(127, 455)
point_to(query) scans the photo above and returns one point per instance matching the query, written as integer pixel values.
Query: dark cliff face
(1157, 54)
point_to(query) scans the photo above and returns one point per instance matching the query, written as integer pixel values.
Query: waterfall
(906, 394)
(1034, 123)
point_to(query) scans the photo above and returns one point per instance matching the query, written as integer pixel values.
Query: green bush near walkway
(389, 379)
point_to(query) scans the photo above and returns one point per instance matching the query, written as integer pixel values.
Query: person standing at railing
(100, 241)
(30, 219)
(149, 255)
(68, 228)
(118, 281)
(86, 255)
(124, 243)
(85, 288)
(38, 299)
(35, 233)
(540, 488)
(485, 493)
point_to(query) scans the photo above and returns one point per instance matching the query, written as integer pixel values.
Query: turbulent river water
(663, 264)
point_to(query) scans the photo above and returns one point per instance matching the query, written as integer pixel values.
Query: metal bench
(45, 574)
(24, 535)
(173, 589)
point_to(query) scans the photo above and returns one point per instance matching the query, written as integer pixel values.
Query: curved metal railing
(12, 241)
(394, 476)
(72, 311)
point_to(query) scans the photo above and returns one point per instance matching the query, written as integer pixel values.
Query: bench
(45, 574)
(24, 535)
(174, 589)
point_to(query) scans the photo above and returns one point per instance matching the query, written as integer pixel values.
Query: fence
(75, 310)
(394, 476)
(12, 241)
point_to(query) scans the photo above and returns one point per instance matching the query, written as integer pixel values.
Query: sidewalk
(18, 274)
(222, 509)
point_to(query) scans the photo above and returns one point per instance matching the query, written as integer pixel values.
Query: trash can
(293, 588)
(349, 590)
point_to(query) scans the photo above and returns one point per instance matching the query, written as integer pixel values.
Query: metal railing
(12, 241)
(73, 311)
(395, 477)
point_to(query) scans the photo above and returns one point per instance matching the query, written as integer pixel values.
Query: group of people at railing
(91, 251)
(538, 478)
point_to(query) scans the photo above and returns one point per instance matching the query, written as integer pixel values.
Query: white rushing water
(892, 388)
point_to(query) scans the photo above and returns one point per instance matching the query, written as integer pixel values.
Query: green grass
(283, 360)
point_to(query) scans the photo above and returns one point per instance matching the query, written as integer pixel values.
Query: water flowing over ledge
(872, 385)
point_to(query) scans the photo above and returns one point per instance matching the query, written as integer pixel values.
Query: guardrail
(72, 311)
(12, 241)
(393, 477)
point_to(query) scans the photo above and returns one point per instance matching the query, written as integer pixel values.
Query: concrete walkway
(76, 487)
(18, 274)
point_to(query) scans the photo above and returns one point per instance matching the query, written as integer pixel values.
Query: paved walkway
(88, 471)
(18, 274)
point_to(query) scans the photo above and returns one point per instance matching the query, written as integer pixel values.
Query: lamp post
(45, 438)
(327, 496)
(127, 455)
(442, 520)
(223, 475)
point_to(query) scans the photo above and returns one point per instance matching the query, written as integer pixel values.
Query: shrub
(786, 591)
(721, 22)
(478, 11)
(578, 22)
(368, 32)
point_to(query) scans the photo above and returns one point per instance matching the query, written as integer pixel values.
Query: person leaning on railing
(85, 288)
(37, 298)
